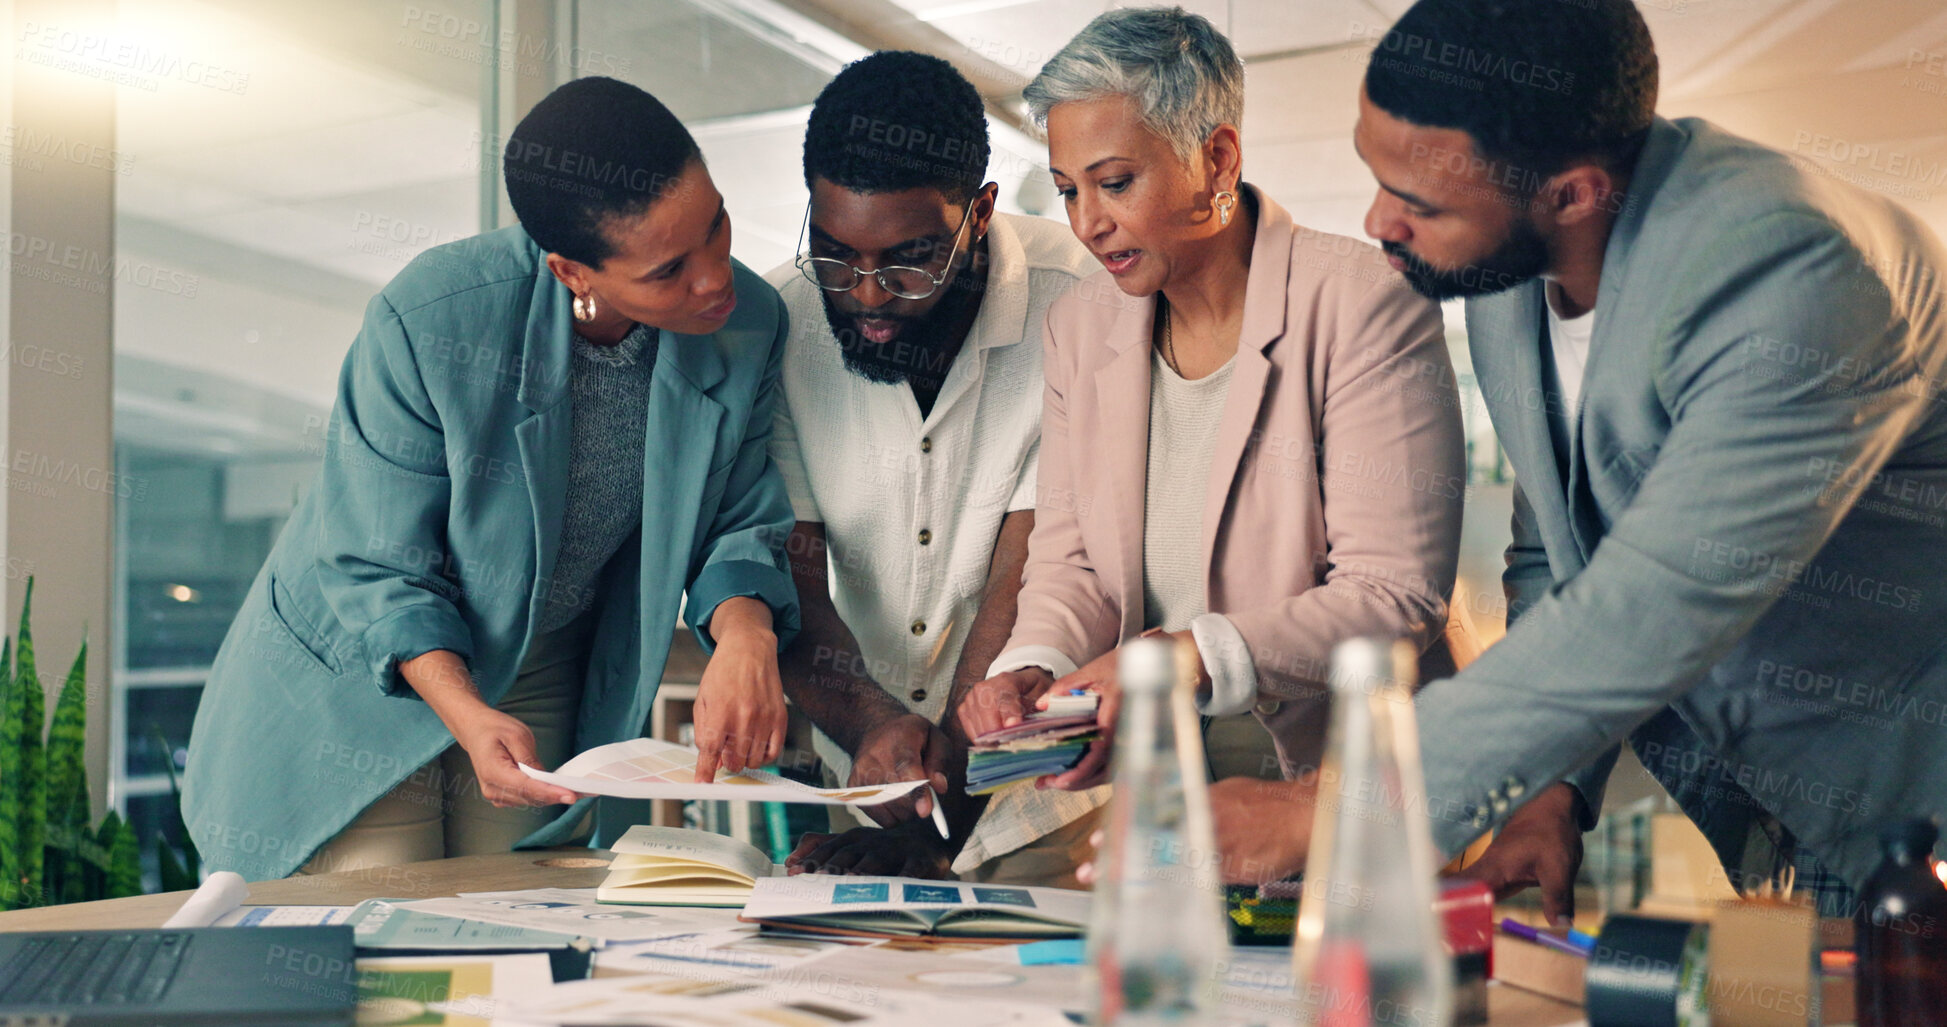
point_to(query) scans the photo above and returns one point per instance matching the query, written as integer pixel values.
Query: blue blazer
(434, 524)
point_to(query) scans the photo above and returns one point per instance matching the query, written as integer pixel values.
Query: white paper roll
(222, 892)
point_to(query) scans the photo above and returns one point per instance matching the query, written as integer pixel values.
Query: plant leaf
(27, 710)
(67, 773)
(192, 860)
(174, 877)
(10, 771)
(122, 874)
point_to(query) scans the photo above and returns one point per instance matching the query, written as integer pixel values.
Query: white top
(1569, 338)
(1183, 420)
(857, 457)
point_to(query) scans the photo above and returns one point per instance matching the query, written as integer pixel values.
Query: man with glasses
(908, 438)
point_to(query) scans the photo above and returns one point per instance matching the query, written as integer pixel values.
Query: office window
(279, 162)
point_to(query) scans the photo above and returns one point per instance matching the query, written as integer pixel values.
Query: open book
(676, 866)
(906, 907)
(649, 768)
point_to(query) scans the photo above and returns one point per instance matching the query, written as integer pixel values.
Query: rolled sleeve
(1046, 657)
(728, 579)
(1227, 659)
(408, 633)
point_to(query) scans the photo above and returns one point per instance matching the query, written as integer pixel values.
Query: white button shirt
(912, 507)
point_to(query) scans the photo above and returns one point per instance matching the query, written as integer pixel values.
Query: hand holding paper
(648, 768)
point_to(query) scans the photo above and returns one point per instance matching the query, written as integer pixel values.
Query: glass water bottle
(1368, 947)
(1156, 928)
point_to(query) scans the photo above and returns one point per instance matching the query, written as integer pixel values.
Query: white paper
(575, 911)
(1256, 988)
(932, 969)
(1001, 955)
(648, 768)
(221, 893)
(825, 1000)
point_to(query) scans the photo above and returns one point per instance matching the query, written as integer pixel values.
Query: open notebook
(675, 866)
(905, 907)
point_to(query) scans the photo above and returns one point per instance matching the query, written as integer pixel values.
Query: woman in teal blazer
(545, 438)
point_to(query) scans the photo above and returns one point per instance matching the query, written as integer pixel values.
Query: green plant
(48, 851)
(186, 873)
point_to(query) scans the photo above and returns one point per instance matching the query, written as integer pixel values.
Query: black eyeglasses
(907, 283)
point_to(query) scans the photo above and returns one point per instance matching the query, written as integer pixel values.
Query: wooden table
(549, 868)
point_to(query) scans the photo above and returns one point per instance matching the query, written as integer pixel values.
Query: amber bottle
(1902, 933)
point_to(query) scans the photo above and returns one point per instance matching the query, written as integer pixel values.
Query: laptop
(232, 976)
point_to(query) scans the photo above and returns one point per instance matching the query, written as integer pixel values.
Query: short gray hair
(1183, 74)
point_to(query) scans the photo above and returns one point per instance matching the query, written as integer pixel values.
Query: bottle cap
(1372, 666)
(1904, 841)
(1147, 665)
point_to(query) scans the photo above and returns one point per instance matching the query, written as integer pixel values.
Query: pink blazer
(1334, 500)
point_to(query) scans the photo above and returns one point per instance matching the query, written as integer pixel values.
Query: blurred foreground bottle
(1156, 929)
(1368, 947)
(1902, 933)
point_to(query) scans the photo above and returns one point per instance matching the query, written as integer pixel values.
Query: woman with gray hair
(1251, 437)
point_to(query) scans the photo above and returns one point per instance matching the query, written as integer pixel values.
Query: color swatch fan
(1047, 742)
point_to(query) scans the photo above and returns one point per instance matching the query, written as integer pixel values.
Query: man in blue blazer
(546, 438)
(1716, 373)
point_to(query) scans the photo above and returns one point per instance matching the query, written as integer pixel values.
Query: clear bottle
(1156, 929)
(1369, 946)
(1902, 933)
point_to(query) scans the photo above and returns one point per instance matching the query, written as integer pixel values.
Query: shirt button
(919, 627)
(926, 444)
(919, 695)
(925, 536)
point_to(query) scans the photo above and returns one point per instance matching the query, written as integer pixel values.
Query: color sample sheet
(737, 950)
(648, 768)
(448, 991)
(384, 924)
(283, 916)
(575, 911)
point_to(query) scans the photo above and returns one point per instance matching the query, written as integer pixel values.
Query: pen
(939, 818)
(1543, 938)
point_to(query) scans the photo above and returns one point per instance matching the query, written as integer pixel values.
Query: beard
(924, 349)
(1520, 258)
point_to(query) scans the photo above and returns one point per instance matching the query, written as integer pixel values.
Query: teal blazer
(434, 524)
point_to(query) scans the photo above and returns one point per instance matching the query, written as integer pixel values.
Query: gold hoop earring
(1225, 201)
(585, 308)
